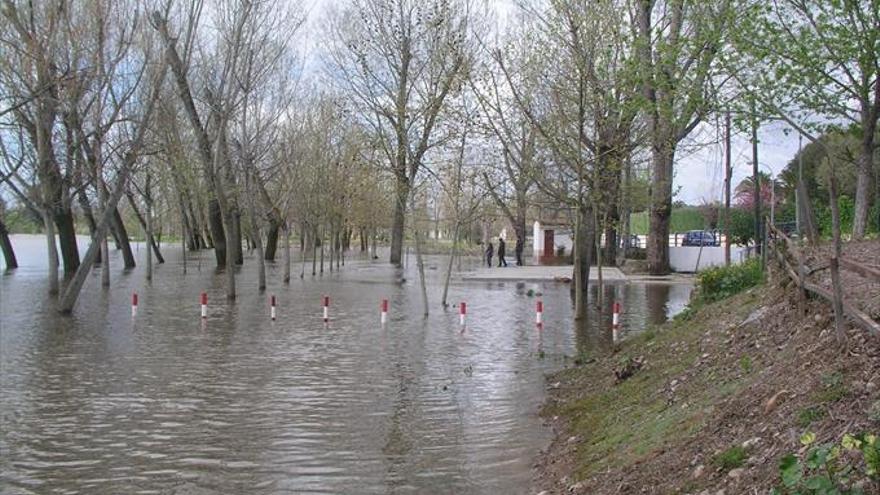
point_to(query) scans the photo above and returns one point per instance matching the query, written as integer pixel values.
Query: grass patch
(621, 424)
(745, 364)
(809, 415)
(833, 388)
(731, 458)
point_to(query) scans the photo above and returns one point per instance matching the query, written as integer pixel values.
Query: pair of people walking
(490, 250)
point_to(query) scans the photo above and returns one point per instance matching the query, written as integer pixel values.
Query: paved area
(533, 273)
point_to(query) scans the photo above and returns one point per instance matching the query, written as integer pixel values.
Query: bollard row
(383, 311)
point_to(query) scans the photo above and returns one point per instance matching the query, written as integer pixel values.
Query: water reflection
(168, 402)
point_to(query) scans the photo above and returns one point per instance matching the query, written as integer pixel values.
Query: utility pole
(728, 171)
(756, 177)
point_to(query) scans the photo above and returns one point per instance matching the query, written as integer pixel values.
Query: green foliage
(724, 281)
(823, 215)
(828, 468)
(742, 225)
(19, 220)
(731, 458)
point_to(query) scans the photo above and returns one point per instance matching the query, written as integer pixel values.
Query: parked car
(634, 242)
(699, 238)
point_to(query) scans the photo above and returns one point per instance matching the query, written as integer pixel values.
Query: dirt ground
(749, 371)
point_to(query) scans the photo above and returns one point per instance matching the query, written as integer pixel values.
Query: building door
(548, 243)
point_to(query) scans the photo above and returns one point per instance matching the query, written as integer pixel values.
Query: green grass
(683, 219)
(809, 415)
(624, 423)
(731, 458)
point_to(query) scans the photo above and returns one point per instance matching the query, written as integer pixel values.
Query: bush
(718, 283)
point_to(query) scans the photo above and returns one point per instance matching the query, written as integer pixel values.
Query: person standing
(501, 260)
(489, 252)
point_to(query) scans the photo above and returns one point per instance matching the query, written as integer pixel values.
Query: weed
(731, 458)
(833, 388)
(745, 364)
(830, 468)
(724, 281)
(808, 415)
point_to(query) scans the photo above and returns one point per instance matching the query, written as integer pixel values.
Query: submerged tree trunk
(67, 240)
(6, 246)
(452, 253)
(150, 238)
(583, 254)
(285, 229)
(148, 228)
(53, 252)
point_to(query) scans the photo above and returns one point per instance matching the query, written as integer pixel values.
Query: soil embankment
(722, 395)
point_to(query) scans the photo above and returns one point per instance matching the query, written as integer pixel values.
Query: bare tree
(400, 60)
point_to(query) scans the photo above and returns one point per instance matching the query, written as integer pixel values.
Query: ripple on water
(165, 403)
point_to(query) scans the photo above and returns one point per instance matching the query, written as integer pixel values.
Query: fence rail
(799, 271)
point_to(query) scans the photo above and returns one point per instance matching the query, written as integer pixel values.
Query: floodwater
(100, 402)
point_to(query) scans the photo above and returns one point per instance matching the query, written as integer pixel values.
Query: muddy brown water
(100, 402)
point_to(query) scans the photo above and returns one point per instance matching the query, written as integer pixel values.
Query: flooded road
(166, 403)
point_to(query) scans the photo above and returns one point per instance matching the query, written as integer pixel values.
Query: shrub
(721, 282)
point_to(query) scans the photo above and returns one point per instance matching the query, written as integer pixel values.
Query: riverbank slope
(722, 395)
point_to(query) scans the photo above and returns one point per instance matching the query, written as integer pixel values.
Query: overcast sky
(699, 173)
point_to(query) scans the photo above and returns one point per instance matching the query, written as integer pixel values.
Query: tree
(817, 66)
(399, 61)
(677, 42)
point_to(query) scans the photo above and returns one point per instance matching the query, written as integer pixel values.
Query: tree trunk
(583, 253)
(151, 240)
(398, 220)
(148, 228)
(661, 211)
(420, 262)
(71, 293)
(837, 291)
(87, 213)
(272, 239)
(67, 240)
(285, 228)
(863, 184)
(53, 252)
(234, 246)
(452, 251)
(218, 233)
(6, 246)
(118, 226)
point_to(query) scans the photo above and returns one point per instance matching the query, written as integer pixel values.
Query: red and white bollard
(615, 322)
(384, 313)
(539, 313)
(134, 304)
(204, 304)
(326, 309)
(462, 313)
(272, 307)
